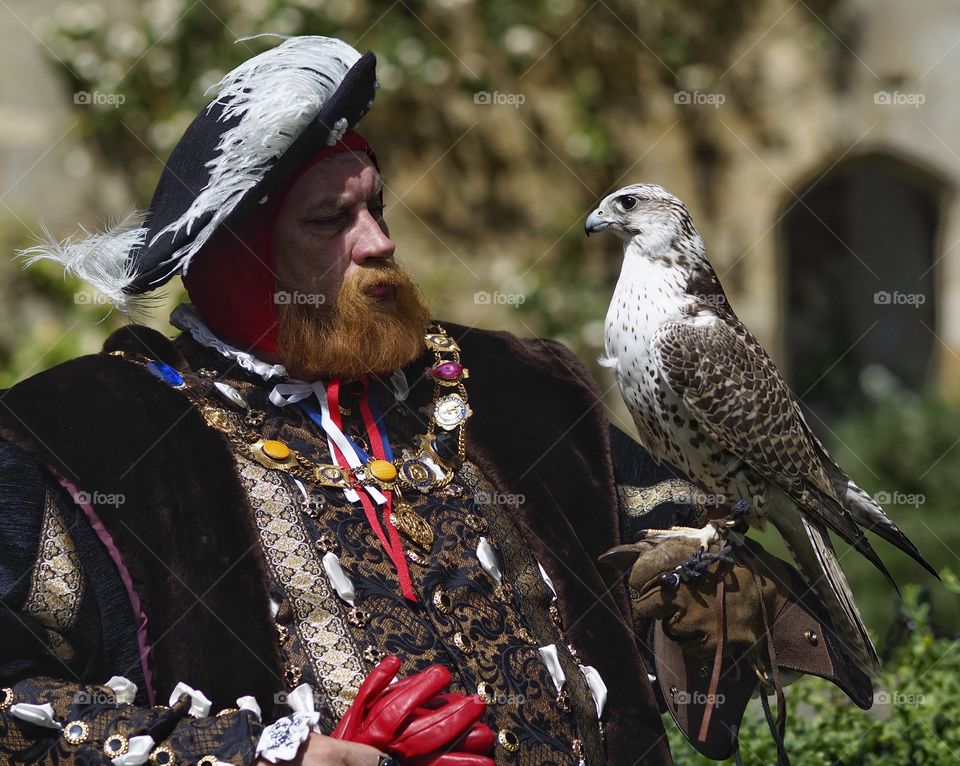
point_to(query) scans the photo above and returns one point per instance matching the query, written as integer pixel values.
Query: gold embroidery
(638, 501)
(57, 584)
(295, 563)
(534, 603)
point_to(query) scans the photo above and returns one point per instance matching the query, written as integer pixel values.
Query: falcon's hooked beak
(595, 222)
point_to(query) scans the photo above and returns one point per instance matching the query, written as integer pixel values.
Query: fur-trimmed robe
(185, 532)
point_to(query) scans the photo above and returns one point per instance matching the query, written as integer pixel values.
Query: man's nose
(372, 241)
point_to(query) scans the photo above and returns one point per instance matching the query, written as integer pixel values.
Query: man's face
(353, 309)
(330, 225)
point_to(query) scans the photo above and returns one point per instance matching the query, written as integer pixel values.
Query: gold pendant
(218, 419)
(413, 525)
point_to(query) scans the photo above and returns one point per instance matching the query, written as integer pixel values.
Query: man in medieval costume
(319, 526)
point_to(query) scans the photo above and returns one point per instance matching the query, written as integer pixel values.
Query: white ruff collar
(186, 317)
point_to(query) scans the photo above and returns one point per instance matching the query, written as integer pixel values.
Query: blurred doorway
(859, 280)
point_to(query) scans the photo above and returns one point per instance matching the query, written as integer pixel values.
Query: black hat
(271, 114)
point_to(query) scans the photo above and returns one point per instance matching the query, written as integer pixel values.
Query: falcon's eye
(629, 202)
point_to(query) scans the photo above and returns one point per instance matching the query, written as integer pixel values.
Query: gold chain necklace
(430, 465)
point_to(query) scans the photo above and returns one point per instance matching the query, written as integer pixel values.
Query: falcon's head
(647, 216)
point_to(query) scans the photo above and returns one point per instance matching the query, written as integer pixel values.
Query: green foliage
(904, 451)
(913, 719)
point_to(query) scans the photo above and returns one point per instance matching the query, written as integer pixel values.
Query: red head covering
(231, 280)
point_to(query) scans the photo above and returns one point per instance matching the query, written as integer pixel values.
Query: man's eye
(332, 220)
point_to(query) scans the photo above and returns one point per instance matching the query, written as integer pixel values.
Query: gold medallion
(262, 449)
(331, 476)
(440, 342)
(412, 525)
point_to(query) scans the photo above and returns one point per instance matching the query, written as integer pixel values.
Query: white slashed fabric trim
(199, 704)
(597, 687)
(123, 689)
(138, 751)
(101, 259)
(276, 94)
(338, 578)
(547, 580)
(249, 702)
(488, 560)
(552, 661)
(40, 715)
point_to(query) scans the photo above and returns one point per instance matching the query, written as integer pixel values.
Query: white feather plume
(100, 259)
(276, 94)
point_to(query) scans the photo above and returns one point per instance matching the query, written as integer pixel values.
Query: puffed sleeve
(71, 688)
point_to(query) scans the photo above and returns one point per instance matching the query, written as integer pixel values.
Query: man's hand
(677, 583)
(327, 751)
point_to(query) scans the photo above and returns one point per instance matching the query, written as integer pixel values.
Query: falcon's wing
(736, 393)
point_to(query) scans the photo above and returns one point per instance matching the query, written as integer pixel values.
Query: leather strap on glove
(413, 721)
(720, 624)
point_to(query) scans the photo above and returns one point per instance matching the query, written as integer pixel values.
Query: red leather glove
(469, 750)
(447, 725)
(411, 720)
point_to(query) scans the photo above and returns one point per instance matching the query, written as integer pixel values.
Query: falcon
(707, 398)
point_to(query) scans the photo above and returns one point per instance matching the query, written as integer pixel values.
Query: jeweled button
(508, 740)
(463, 642)
(76, 732)
(383, 470)
(115, 745)
(476, 523)
(275, 450)
(441, 601)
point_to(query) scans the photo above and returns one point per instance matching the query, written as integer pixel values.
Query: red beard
(356, 335)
